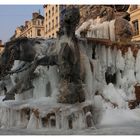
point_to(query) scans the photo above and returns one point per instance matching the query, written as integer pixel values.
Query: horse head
(18, 49)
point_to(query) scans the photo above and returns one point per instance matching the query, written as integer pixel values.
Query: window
(49, 13)
(38, 22)
(53, 24)
(56, 21)
(46, 15)
(56, 8)
(42, 22)
(135, 27)
(52, 11)
(46, 28)
(49, 26)
(38, 32)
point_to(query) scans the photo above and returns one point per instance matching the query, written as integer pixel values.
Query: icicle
(129, 60)
(83, 27)
(34, 122)
(103, 57)
(88, 77)
(114, 96)
(129, 71)
(137, 65)
(120, 63)
(112, 30)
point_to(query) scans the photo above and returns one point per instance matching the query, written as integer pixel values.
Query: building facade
(1, 46)
(134, 11)
(53, 17)
(51, 20)
(32, 28)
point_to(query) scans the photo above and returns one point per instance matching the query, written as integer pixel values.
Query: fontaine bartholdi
(59, 83)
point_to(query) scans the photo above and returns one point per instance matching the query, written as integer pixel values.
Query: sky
(12, 16)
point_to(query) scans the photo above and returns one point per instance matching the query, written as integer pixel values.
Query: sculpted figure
(71, 89)
(67, 58)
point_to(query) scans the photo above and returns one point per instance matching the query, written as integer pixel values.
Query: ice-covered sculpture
(70, 81)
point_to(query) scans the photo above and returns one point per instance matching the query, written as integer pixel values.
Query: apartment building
(32, 28)
(134, 11)
(51, 20)
(1, 46)
(53, 17)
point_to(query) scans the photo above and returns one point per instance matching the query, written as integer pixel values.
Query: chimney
(0, 42)
(26, 23)
(35, 14)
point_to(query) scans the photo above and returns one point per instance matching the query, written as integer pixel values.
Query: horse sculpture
(63, 52)
(35, 48)
(66, 56)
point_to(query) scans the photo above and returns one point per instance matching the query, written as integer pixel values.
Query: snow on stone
(118, 117)
(96, 29)
(84, 26)
(114, 96)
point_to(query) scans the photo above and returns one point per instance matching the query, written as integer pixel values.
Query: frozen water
(106, 102)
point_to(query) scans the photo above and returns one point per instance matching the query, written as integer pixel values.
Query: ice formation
(109, 80)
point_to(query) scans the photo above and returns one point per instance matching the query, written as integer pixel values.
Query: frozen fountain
(68, 82)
